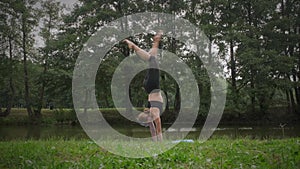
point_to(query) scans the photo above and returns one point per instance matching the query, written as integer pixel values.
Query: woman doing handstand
(152, 87)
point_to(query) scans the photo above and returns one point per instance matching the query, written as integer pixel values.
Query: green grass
(215, 153)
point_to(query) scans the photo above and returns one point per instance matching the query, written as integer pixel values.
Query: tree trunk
(210, 50)
(263, 106)
(26, 85)
(292, 99)
(167, 101)
(232, 67)
(289, 107)
(42, 89)
(233, 73)
(42, 93)
(11, 85)
(177, 100)
(106, 101)
(296, 89)
(128, 103)
(297, 32)
(252, 92)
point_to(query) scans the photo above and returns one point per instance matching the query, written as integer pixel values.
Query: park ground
(214, 153)
(217, 152)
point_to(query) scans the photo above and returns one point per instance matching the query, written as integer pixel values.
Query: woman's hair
(144, 116)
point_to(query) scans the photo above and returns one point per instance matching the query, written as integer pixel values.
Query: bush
(65, 116)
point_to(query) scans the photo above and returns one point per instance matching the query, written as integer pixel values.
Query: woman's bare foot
(129, 43)
(158, 36)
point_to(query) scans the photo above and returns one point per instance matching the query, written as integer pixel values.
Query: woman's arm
(152, 131)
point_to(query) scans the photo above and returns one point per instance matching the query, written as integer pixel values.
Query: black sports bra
(157, 104)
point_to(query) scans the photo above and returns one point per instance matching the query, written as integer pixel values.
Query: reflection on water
(76, 132)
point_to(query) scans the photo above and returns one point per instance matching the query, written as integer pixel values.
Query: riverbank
(214, 153)
(18, 116)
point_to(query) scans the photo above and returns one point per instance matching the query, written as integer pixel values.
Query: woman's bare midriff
(155, 97)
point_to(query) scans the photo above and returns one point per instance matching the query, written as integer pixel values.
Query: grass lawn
(214, 153)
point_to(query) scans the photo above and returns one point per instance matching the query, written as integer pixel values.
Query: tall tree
(289, 33)
(228, 41)
(28, 20)
(51, 12)
(9, 34)
(281, 35)
(253, 58)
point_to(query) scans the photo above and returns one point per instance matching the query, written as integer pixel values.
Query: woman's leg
(155, 112)
(146, 117)
(140, 52)
(156, 39)
(153, 131)
(157, 122)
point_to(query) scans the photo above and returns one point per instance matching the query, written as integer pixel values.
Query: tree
(9, 34)
(51, 12)
(28, 20)
(287, 26)
(253, 58)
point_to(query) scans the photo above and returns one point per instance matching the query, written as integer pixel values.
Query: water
(76, 132)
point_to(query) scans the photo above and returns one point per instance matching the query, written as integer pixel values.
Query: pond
(76, 132)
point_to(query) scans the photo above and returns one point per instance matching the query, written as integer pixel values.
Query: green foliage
(65, 116)
(257, 44)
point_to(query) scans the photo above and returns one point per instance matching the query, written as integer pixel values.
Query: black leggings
(151, 81)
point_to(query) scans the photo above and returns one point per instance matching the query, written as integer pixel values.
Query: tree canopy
(258, 42)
